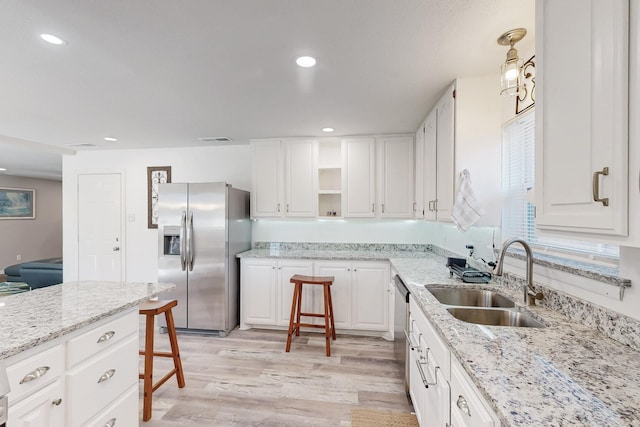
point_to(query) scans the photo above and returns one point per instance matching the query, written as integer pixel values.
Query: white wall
(37, 238)
(196, 164)
(478, 145)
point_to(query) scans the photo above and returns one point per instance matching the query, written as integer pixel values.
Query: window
(518, 211)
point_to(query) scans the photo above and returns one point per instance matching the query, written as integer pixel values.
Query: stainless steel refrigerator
(201, 228)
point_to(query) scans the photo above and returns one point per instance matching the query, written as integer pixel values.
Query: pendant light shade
(511, 70)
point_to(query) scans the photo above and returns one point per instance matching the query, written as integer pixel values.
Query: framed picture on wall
(17, 203)
(155, 175)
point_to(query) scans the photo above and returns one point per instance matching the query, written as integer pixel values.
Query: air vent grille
(215, 139)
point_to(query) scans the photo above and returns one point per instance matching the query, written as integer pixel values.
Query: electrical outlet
(18, 257)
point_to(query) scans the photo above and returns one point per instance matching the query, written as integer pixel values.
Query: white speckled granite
(566, 374)
(35, 317)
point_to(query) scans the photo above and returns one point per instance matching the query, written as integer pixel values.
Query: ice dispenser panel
(171, 240)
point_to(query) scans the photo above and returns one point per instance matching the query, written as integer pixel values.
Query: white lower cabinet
(360, 293)
(69, 380)
(468, 408)
(122, 412)
(45, 407)
(441, 392)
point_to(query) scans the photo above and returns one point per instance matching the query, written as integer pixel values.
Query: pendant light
(511, 71)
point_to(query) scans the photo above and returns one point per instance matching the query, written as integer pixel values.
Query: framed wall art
(155, 175)
(526, 97)
(17, 203)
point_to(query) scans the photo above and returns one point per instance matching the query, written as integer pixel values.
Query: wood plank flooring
(247, 379)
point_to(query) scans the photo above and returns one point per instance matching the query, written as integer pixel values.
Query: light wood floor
(247, 379)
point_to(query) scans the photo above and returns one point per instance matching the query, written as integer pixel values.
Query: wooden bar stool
(294, 321)
(150, 309)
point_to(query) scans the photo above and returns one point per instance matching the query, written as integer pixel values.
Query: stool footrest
(312, 314)
(158, 353)
(307, 325)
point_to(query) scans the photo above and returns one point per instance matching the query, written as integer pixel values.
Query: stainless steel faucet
(530, 295)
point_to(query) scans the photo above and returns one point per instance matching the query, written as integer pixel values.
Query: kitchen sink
(470, 297)
(494, 317)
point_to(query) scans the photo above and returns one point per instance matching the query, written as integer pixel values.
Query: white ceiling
(162, 73)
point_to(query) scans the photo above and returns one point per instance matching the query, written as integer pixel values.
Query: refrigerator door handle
(191, 249)
(183, 226)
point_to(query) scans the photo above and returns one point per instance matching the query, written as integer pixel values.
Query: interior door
(99, 227)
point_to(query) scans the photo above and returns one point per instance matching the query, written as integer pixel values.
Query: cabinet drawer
(100, 338)
(29, 375)
(467, 406)
(432, 340)
(122, 412)
(94, 384)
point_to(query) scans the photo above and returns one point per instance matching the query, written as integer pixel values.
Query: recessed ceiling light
(328, 129)
(50, 38)
(2, 169)
(306, 61)
(110, 139)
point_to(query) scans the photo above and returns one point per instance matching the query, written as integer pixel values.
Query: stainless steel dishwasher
(401, 327)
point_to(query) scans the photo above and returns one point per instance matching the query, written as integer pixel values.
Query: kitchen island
(563, 374)
(71, 352)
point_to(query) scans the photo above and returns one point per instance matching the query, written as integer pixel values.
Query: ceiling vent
(82, 145)
(215, 139)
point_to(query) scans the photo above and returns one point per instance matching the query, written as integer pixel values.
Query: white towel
(466, 208)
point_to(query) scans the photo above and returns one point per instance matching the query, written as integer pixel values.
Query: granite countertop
(348, 255)
(561, 375)
(32, 318)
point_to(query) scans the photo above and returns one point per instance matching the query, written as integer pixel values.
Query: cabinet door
(418, 188)
(358, 177)
(287, 269)
(340, 291)
(582, 116)
(445, 181)
(268, 181)
(259, 293)
(467, 407)
(370, 296)
(395, 177)
(44, 408)
(430, 170)
(300, 172)
(417, 390)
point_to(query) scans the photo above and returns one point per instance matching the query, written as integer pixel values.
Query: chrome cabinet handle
(373, 207)
(435, 205)
(596, 186)
(287, 207)
(183, 243)
(415, 206)
(278, 207)
(105, 337)
(425, 382)
(408, 337)
(35, 374)
(110, 373)
(56, 402)
(116, 248)
(463, 405)
(110, 423)
(383, 208)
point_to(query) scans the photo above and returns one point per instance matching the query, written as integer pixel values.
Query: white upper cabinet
(300, 170)
(435, 167)
(283, 179)
(582, 125)
(358, 174)
(268, 179)
(395, 177)
(445, 181)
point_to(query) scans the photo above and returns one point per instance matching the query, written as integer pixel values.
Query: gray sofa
(37, 274)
